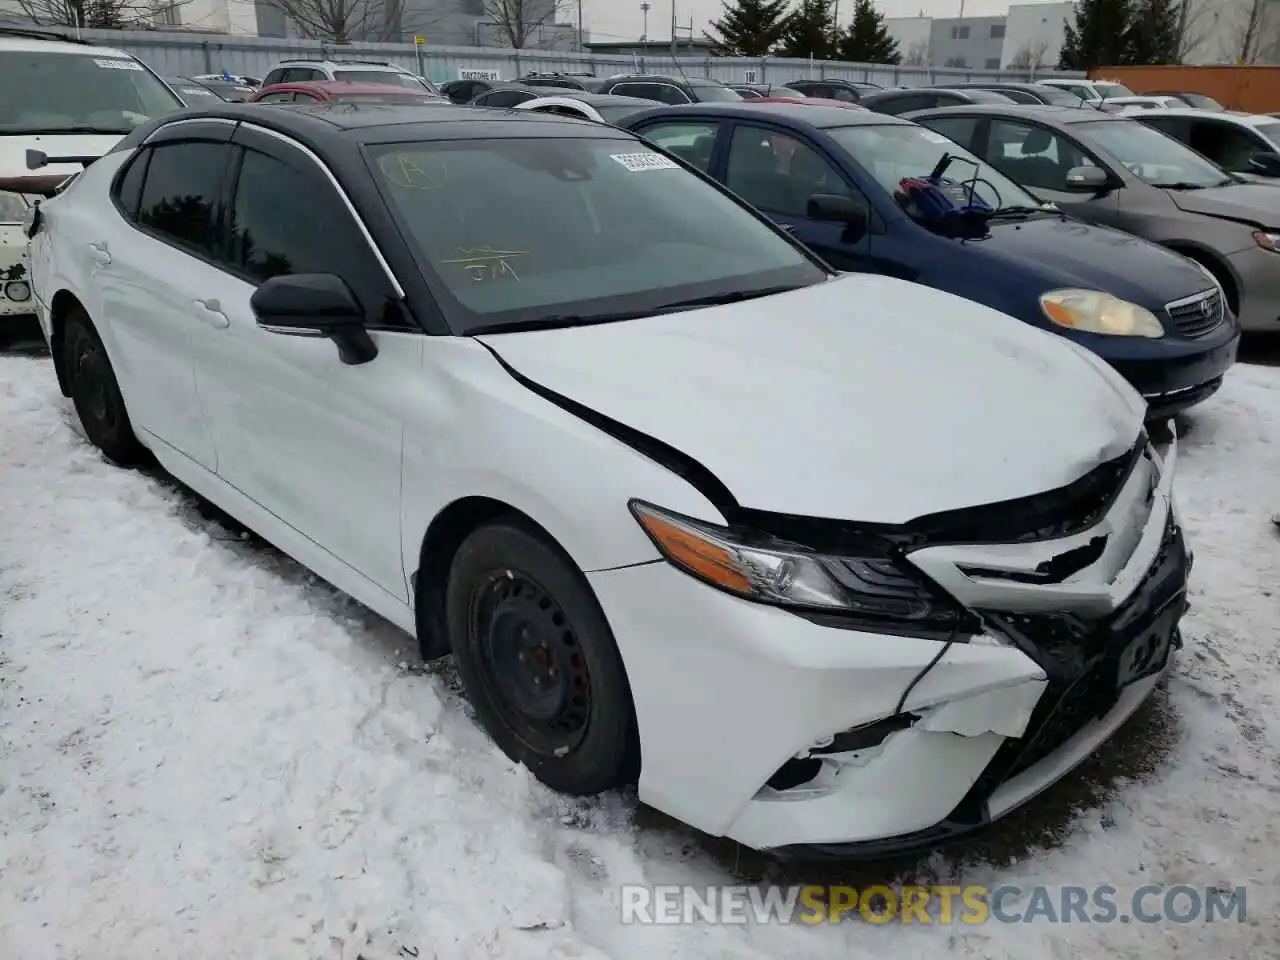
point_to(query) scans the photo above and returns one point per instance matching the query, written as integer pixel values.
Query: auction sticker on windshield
(636, 162)
(117, 64)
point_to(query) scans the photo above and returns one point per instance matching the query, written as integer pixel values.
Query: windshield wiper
(1018, 211)
(58, 131)
(1181, 185)
(557, 321)
(720, 299)
(560, 321)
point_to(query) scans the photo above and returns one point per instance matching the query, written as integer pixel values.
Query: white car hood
(862, 398)
(13, 152)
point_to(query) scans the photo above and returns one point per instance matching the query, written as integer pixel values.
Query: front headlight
(873, 592)
(1092, 311)
(13, 207)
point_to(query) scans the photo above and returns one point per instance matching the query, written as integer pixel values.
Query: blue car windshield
(892, 152)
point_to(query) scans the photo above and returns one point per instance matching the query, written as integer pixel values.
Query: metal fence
(185, 54)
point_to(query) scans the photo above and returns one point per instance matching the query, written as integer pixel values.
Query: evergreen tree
(867, 39)
(810, 31)
(749, 28)
(1153, 32)
(1099, 37)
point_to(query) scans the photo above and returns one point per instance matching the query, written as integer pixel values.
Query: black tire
(539, 661)
(95, 392)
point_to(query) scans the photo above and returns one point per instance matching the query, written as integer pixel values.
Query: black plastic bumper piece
(1080, 659)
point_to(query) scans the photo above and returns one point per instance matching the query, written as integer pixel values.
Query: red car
(319, 91)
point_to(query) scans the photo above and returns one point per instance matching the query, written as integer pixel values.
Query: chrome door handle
(100, 253)
(210, 312)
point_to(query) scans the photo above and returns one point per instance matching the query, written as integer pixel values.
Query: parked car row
(489, 372)
(656, 414)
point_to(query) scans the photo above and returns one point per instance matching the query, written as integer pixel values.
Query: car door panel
(312, 440)
(145, 286)
(1038, 158)
(777, 171)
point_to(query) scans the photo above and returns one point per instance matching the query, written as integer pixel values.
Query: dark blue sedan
(833, 177)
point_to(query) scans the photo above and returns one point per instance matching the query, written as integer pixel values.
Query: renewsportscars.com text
(941, 905)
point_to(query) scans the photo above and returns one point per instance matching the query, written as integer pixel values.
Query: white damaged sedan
(839, 565)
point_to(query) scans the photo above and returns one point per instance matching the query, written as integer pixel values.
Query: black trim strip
(663, 454)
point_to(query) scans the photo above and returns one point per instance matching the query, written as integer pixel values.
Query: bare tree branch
(917, 54)
(1031, 55)
(1252, 37)
(1195, 24)
(102, 14)
(519, 20)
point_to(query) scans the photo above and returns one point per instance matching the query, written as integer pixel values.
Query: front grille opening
(795, 773)
(1080, 657)
(799, 771)
(1198, 317)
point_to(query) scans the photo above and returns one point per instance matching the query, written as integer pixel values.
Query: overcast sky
(620, 20)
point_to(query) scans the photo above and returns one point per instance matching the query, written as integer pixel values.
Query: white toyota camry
(832, 563)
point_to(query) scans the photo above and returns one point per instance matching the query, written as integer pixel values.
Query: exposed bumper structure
(15, 272)
(786, 734)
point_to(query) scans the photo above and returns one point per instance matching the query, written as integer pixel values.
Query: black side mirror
(1266, 163)
(1087, 180)
(315, 305)
(839, 209)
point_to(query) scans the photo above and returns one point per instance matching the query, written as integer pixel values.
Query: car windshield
(1107, 89)
(76, 93)
(714, 93)
(1151, 156)
(1201, 101)
(1058, 97)
(1271, 131)
(564, 231)
(613, 113)
(893, 152)
(407, 80)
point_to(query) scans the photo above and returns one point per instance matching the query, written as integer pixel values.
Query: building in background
(912, 35)
(1030, 35)
(454, 23)
(972, 42)
(1034, 33)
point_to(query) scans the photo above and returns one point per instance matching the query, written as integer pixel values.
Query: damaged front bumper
(15, 272)
(794, 736)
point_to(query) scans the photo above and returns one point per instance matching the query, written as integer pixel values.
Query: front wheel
(539, 661)
(95, 392)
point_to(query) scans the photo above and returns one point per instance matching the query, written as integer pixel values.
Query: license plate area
(1148, 652)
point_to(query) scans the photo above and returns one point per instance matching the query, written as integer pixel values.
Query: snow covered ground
(205, 753)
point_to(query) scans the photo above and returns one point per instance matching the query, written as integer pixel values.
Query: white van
(66, 98)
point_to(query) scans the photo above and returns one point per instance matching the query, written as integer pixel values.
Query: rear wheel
(95, 393)
(539, 661)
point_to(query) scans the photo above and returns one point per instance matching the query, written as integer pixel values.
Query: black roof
(1048, 114)
(351, 121)
(792, 114)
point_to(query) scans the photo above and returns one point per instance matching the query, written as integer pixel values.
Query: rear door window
(693, 143)
(961, 130)
(180, 194)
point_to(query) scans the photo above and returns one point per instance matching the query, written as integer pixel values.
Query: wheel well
(63, 303)
(1219, 269)
(448, 530)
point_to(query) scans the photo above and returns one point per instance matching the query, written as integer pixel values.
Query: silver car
(1115, 171)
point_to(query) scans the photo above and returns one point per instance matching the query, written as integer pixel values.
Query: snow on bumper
(15, 272)
(729, 693)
